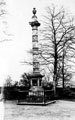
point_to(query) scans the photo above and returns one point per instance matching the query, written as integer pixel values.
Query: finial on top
(34, 21)
(34, 11)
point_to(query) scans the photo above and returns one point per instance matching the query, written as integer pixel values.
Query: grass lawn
(61, 110)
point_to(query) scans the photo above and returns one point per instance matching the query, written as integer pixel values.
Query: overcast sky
(19, 14)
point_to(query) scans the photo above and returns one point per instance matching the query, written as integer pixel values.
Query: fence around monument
(36, 97)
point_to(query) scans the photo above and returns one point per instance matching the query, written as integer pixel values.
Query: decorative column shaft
(35, 24)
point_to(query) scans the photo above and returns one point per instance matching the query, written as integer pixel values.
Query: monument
(36, 95)
(36, 78)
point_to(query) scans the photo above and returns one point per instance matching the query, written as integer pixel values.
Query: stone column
(35, 24)
(38, 82)
(31, 82)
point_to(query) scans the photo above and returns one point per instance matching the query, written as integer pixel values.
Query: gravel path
(61, 110)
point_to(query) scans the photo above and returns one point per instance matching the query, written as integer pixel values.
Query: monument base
(37, 96)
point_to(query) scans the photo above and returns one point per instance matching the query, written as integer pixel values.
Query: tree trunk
(63, 69)
(55, 70)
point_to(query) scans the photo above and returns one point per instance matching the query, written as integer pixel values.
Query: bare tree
(57, 40)
(3, 22)
(8, 82)
(24, 81)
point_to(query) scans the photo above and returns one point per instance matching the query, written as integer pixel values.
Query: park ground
(61, 110)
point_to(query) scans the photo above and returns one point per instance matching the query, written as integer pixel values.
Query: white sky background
(14, 52)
